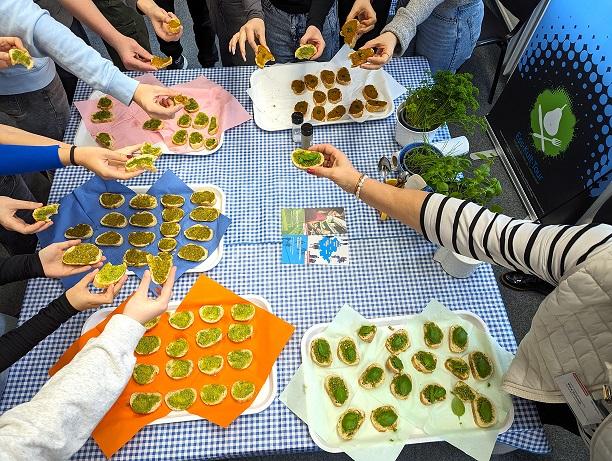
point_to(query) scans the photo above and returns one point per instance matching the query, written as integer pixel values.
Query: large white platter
(395, 322)
(83, 138)
(213, 258)
(264, 399)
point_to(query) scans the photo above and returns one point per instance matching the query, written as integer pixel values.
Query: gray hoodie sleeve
(406, 20)
(252, 9)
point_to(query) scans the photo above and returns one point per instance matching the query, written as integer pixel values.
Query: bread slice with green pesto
(484, 412)
(213, 394)
(347, 351)
(242, 391)
(179, 368)
(148, 345)
(458, 367)
(424, 361)
(384, 418)
(398, 341)
(144, 403)
(181, 399)
(372, 377)
(457, 339)
(395, 364)
(144, 373)
(401, 386)
(242, 312)
(349, 423)
(336, 389)
(481, 365)
(320, 352)
(211, 365)
(181, 320)
(366, 333)
(432, 335)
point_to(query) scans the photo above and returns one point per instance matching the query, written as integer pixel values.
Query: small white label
(579, 399)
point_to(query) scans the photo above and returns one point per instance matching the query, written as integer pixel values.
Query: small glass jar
(297, 118)
(306, 135)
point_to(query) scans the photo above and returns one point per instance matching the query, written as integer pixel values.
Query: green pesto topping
(434, 393)
(79, 231)
(148, 149)
(213, 394)
(184, 121)
(114, 219)
(372, 375)
(181, 399)
(459, 337)
(366, 330)
(178, 368)
(143, 202)
(212, 128)
(172, 201)
(398, 341)
(179, 137)
(240, 359)
(396, 363)
(242, 389)
(104, 103)
(141, 162)
(195, 137)
(337, 389)
(485, 409)
(101, 116)
(148, 344)
(211, 313)
(192, 105)
(204, 213)
(45, 212)
(203, 197)
(143, 219)
(181, 319)
(192, 252)
(242, 312)
(238, 332)
(464, 392)
(351, 420)
(402, 384)
(208, 336)
(143, 402)
(104, 139)
(482, 364)
(210, 364)
(201, 120)
(306, 158)
(427, 359)
(143, 373)
(172, 214)
(458, 366)
(111, 200)
(109, 238)
(348, 350)
(81, 254)
(169, 229)
(433, 333)
(199, 232)
(135, 258)
(110, 273)
(141, 239)
(177, 348)
(211, 143)
(321, 350)
(385, 416)
(152, 323)
(152, 124)
(166, 244)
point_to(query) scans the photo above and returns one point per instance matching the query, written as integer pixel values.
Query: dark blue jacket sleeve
(26, 159)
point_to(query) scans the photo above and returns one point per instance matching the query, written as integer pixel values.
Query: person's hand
(362, 11)
(155, 101)
(133, 56)
(106, 163)
(336, 167)
(51, 260)
(81, 298)
(9, 206)
(313, 36)
(141, 308)
(6, 44)
(384, 45)
(159, 18)
(253, 31)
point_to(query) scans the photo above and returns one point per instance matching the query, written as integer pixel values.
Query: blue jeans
(284, 31)
(447, 38)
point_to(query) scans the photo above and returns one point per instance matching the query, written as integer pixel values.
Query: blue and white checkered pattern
(391, 273)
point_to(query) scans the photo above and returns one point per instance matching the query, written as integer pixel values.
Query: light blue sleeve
(44, 36)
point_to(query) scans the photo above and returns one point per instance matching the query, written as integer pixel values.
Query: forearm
(25, 159)
(17, 137)
(20, 267)
(86, 12)
(252, 9)
(60, 418)
(319, 9)
(18, 342)
(406, 19)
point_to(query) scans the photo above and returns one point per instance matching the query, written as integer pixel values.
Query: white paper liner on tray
(417, 423)
(274, 101)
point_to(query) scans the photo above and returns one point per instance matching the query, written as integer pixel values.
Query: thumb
(88, 278)
(320, 172)
(67, 244)
(370, 44)
(145, 282)
(23, 205)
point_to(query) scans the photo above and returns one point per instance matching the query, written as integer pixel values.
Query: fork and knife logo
(549, 125)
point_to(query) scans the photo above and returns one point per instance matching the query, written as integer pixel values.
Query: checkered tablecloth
(391, 272)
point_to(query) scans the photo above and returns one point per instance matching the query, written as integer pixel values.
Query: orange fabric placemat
(270, 334)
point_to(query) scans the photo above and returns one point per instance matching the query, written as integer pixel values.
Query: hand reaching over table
(253, 31)
(51, 260)
(314, 37)
(384, 45)
(362, 11)
(10, 206)
(160, 19)
(337, 167)
(142, 308)
(152, 97)
(81, 298)
(105, 163)
(133, 56)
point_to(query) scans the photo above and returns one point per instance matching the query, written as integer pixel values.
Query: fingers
(5, 60)
(143, 288)
(320, 171)
(375, 62)
(320, 48)
(166, 292)
(136, 64)
(74, 270)
(242, 41)
(88, 278)
(117, 287)
(33, 228)
(63, 246)
(233, 42)
(23, 205)
(127, 150)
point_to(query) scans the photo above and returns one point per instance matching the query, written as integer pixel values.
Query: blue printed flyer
(314, 236)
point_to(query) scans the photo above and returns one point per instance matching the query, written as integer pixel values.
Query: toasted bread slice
(196, 140)
(242, 391)
(213, 394)
(153, 124)
(144, 373)
(425, 362)
(336, 389)
(181, 399)
(318, 113)
(262, 56)
(80, 231)
(102, 116)
(458, 367)
(463, 392)
(298, 86)
(83, 254)
(306, 52)
(109, 275)
(395, 364)
(376, 106)
(311, 81)
(398, 341)
(211, 365)
(328, 78)
(366, 333)
(432, 335)
(148, 345)
(484, 412)
(179, 368)
(334, 95)
(144, 403)
(45, 212)
(349, 423)
(481, 366)
(347, 351)
(360, 57)
(384, 418)
(432, 393)
(304, 159)
(370, 93)
(343, 76)
(111, 200)
(105, 140)
(320, 352)
(457, 339)
(349, 32)
(356, 108)
(372, 377)
(319, 98)
(336, 113)
(301, 106)
(401, 386)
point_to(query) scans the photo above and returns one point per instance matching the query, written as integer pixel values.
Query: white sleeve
(62, 415)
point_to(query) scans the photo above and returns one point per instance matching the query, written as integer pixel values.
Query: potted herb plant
(445, 98)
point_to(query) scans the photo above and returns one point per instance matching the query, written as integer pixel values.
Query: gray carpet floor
(520, 306)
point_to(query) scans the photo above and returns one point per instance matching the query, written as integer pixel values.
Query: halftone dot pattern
(391, 272)
(565, 50)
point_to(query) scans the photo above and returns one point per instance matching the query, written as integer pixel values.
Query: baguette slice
(458, 367)
(384, 418)
(419, 365)
(429, 392)
(481, 365)
(376, 106)
(349, 423)
(213, 394)
(145, 403)
(484, 412)
(367, 333)
(242, 391)
(109, 275)
(372, 377)
(144, 373)
(320, 352)
(453, 334)
(83, 254)
(336, 389)
(181, 399)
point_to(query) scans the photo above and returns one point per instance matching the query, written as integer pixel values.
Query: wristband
(72, 160)
(360, 184)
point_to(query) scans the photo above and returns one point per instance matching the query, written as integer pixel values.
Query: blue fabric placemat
(82, 206)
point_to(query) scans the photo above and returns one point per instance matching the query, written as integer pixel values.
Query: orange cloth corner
(270, 334)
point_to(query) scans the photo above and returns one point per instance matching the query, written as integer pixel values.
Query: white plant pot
(456, 265)
(405, 135)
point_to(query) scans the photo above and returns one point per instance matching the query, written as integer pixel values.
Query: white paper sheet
(273, 99)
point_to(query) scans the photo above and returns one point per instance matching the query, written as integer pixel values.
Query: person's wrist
(64, 154)
(145, 6)
(349, 183)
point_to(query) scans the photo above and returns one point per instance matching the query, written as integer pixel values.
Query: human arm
(160, 19)
(62, 415)
(362, 11)
(548, 251)
(133, 56)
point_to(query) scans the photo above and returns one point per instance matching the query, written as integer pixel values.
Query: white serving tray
(395, 322)
(214, 258)
(83, 138)
(264, 399)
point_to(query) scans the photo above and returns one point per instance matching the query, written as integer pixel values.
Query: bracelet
(72, 160)
(360, 184)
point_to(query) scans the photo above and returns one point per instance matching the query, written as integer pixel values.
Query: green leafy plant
(444, 98)
(455, 176)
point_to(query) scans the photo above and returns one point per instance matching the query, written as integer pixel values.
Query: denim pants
(448, 37)
(284, 31)
(14, 186)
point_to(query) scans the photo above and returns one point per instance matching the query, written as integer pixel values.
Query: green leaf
(458, 407)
